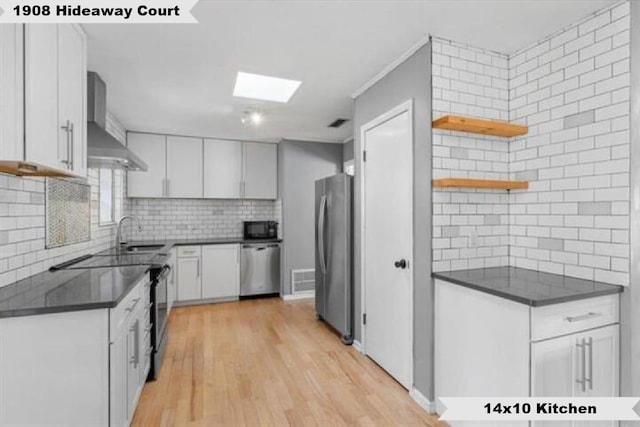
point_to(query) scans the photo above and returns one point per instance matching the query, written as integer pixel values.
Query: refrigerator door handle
(320, 243)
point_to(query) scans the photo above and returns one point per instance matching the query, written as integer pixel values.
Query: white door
(388, 242)
(72, 96)
(220, 271)
(184, 167)
(43, 144)
(260, 170)
(189, 284)
(222, 169)
(152, 150)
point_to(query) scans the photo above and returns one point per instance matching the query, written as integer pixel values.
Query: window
(107, 211)
(349, 167)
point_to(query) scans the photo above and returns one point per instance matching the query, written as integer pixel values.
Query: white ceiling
(179, 78)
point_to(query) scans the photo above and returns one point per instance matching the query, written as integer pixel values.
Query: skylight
(264, 87)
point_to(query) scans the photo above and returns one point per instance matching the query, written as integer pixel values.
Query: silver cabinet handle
(589, 344)
(135, 302)
(583, 381)
(587, 316)
(168, 187)
(72, 149)
(321, 212)
(135, 359)
(198, 260)
(66, 129)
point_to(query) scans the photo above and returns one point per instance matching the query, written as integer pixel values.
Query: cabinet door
(42, 131)
(72, 94)
(133, 366)
(118, 380)
(260, 170)
(171, 282)
(184, 167)
(189, 283)
(152, 150)
(222, 169)
(601, 372)
(11, 92)
(220, 271)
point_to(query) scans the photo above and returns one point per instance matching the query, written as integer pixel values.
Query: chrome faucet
(119, 241)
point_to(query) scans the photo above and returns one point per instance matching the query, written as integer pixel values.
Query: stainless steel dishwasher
(259, 269)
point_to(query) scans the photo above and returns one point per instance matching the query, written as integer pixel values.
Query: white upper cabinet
(11, 93)
(55, 78)
(222, 169)
(184, 167)
(260, 170)
(44, 145)
(152, 149)
(72, 94)
(193, 168)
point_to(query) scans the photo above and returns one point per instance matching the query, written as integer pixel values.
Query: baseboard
(189, 303)
(356, 344)
(421, 400)
(293, 297)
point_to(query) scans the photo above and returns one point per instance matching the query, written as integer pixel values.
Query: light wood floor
(268, 363)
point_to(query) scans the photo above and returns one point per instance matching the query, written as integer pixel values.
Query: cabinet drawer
(127, 306)
(561, 319)
(189, 251)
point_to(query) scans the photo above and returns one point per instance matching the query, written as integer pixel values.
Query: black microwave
(255, 230)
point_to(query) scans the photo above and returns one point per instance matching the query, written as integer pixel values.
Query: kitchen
(176, 228)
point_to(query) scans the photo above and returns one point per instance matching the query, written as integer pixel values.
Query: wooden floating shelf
(480, 183)
(481, 126)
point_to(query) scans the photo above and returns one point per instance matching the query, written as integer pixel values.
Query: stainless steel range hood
(104, 151)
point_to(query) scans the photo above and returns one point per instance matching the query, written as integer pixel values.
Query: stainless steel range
(159, 272)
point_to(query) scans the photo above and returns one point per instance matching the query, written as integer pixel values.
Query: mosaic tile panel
(68, 215)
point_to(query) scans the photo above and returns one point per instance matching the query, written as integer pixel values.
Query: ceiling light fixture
(252, 117)
(266, 88)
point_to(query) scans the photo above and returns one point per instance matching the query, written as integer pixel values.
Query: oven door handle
(165, 273)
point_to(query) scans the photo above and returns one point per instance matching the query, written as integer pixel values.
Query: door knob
(401, 264)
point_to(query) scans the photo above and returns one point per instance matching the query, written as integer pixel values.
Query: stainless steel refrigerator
(334, 253)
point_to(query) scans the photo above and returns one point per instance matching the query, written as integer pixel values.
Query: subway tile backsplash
(579, 144)
(572, 90)
(193, 218)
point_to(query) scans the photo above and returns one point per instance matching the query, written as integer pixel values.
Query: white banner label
(539, 408)
(97, 11)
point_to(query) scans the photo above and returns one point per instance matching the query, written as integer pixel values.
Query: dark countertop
(170, 243)
(530, 287)
(69, 290)
(84, 288)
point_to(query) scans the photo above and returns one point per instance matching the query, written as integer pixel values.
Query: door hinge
(364, 155)
(364, 318)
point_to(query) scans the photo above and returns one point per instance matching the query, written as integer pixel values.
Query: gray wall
(630, 301)
(410, 80)
(347, 151)
(300, 164)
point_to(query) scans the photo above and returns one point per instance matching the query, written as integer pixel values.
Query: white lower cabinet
(568, 349)
(220, 271)
(584, 364)
(82, 368)
(206, 273)
(189, 279)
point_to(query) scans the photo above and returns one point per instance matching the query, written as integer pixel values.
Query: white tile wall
(572, 89)
(189, 219)
(22, 222)
(470, 228)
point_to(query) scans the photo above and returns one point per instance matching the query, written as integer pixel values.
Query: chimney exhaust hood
(104, 151)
